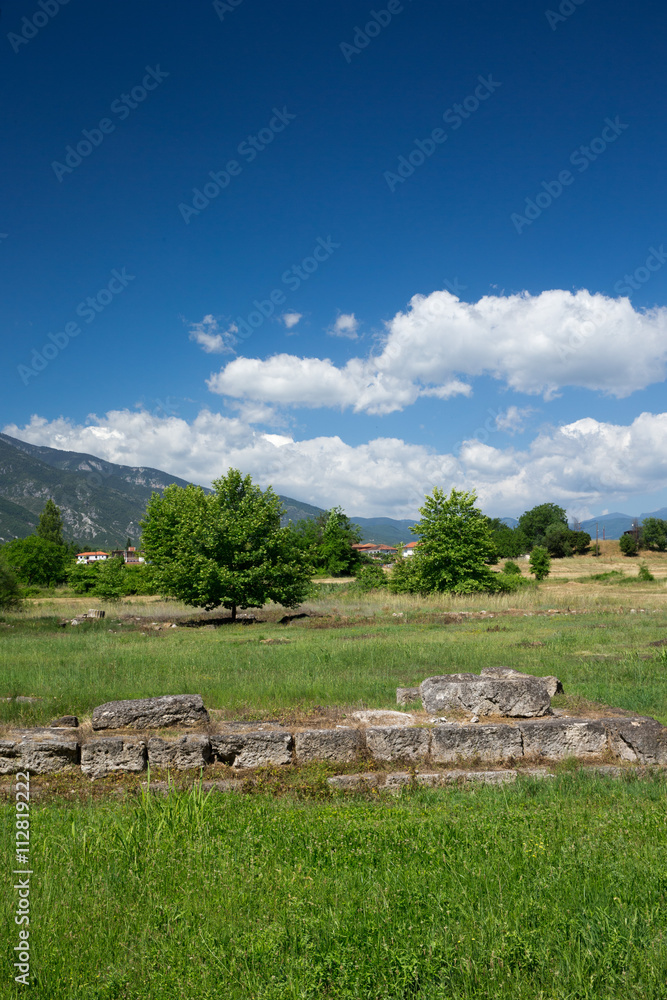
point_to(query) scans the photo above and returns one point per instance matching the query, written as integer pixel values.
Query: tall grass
(540, 891)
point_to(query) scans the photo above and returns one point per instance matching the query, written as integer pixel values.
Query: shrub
(508, 583)
(404, 579)
(110, 583)
(628, 545)
(371, 577)
(10, 598)
(82, 577)
(644, 573)
(540, 562)
(511, 568)
(654, 533)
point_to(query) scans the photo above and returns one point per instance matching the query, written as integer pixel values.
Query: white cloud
(346, 325)
(513, 419)
(581, 464)
(207, 334)
(533, 344)
(291, 319)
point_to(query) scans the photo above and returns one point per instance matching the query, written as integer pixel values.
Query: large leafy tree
(509, 542)
(50, 524)
(36, 561)
(654, 533)
(456, 546)
(534, 523)
(328, 539)
(226, 548)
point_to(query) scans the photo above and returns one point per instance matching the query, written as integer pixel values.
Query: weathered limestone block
(405, 696)
(167, 787)
(450, 744)
(10, 756)
(340, 745)
(383, 717)
(355, 782)
(560, 738)
(391, 743)
(151, 713)
(259, 749)
(515, 697)
(397, 781)
(46, 756)
(183, 754)
(64, 722)
(225, 747)
(638, 740)
(554, 686)
(113, 753)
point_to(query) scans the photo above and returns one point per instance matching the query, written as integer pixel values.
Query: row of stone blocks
(637, 740)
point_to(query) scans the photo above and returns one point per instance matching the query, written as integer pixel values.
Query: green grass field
(345, 659)
(543, 890)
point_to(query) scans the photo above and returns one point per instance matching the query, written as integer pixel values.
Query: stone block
(560, 738)
(183, 754)
(640, 740)
(339, 745)
(396, 743)
(513, 697)
(64, 722)
(10, 756)
(382, 717)
(113, 753)
(451, 744)
(406, 696)
(396, 781)
(355, 782)
(46, 756)
(151, 713)
(259, 749)
(554, 686)
(440, 778)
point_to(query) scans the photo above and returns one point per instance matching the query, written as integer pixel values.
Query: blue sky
(462, 202)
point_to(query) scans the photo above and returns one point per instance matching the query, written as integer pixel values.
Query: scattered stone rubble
(531, 736)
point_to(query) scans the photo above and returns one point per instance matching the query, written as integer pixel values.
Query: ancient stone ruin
(501, 725)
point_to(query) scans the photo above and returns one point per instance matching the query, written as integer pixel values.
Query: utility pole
(597, 547)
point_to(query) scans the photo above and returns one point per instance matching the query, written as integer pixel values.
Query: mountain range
(102, 503)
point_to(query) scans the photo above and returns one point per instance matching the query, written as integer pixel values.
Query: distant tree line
(544, 526)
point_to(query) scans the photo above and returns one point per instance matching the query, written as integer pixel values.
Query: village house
(91, 557)
(375, 550)
(128, 555)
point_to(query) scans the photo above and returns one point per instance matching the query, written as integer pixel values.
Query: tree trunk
(233, 612)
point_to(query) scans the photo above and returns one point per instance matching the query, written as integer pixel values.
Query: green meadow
(544, 890)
